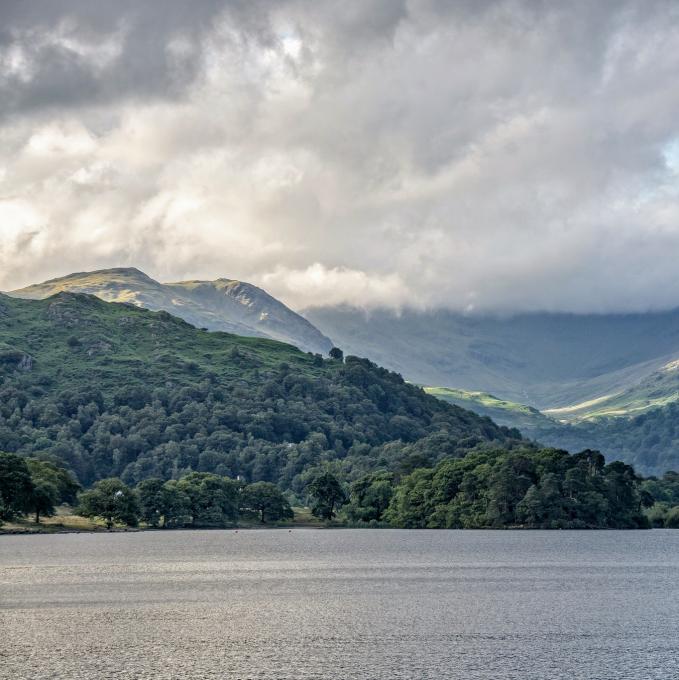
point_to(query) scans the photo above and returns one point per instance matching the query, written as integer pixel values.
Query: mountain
(221, 305)
(117, 390)
(545, 360)
(656, 390)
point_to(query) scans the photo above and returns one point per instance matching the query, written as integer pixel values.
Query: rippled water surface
(341, 604)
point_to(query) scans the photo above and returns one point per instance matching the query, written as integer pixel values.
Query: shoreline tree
(16, 486)
(266, 501)
(328, 495)
(112, 500)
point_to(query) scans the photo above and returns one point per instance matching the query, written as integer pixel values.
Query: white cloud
(501, 155)
(336, 286)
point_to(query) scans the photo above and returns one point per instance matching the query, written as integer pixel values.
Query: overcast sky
(472, 155)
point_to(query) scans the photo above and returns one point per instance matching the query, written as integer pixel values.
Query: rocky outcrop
(26, 363)
(15, 359)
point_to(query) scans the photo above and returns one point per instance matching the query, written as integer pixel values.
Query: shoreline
(27, 531)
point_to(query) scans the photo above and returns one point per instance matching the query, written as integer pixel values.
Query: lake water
(341, 604)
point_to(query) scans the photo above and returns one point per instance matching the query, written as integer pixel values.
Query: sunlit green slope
(221, 305)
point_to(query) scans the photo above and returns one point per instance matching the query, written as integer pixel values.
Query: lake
(273, 604)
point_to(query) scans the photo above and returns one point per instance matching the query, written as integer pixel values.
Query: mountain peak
(107, 274)
(222, 305)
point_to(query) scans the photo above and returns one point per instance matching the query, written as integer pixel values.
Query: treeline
(33, 486)
(525, 487)
(197, 499)
(535, 488)
(665, 493)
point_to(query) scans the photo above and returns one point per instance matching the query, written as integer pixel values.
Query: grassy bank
(64, 521)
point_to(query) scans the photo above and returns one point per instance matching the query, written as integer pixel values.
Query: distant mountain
(639, 426)
(544, 360)
(656, 390)
(221, 305)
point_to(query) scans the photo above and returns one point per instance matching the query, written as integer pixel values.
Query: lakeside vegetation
(491, 489)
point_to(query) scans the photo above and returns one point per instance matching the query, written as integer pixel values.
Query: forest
(649, 441)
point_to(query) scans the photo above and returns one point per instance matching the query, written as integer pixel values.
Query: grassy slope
(222, 305)
(73, 336)
(503, 412)
(655, 391)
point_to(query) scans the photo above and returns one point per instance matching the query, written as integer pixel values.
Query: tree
(410, 506)
(508, 484)
(161, 501)
(66, 487)
(16, 486)
(672, 518)
(267, 501)
(43, 499)
(337, 354)
(150, 497)
(531, 508)
(327, 493)
(112, 500)
(213, 500)
(175, 505)
(369, 497)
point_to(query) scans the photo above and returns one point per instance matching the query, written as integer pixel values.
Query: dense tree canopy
(539, 488)
(664, 493)
(111, 500)
(370, 497)
(327, 495)
(16, 486)
(648, 441)
(266, 501)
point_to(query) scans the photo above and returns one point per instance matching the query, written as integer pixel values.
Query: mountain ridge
(221, 305)
(545, 360)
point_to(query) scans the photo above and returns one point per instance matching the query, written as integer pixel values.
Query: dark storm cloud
(58, 44)
(492, 155)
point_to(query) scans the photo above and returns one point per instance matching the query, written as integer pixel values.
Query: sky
(494, 156)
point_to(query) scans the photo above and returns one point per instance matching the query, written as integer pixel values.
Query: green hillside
(221, 305)
(503, 412)
(112, 389)
(648, 441)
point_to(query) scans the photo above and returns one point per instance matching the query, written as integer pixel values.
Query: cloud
(337, 285)
(499, 155)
